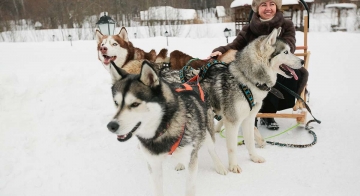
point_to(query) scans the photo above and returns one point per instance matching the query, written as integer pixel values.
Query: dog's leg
(247, 127)
(156, 172)
(258, 138)
(192, 174)
(231, 143)
(218, 126)
(219, 167)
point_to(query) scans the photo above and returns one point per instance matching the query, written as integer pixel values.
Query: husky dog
(255, 68)
(166, 118)
(119, 49)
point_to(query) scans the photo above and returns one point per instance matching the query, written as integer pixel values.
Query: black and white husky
(167, 118)
(236, 91)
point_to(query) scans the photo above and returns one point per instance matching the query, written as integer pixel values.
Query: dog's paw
(257, 159)
(179, 167)
(220, 169)
(235, 169)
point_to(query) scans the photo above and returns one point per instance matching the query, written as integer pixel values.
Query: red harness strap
(173, 147)
(189, 88)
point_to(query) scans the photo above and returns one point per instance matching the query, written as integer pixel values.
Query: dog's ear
(99, 36)
(271, 39)
(123, 34)
(116, 72)
(279, 31)
(148, 75)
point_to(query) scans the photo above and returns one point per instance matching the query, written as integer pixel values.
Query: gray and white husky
(167, 118)
(255, 67)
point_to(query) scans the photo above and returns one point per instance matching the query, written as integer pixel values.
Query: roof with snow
(238, 3)
(342, 5)
(167, 13)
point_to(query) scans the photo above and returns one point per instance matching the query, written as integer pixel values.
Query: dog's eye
(116, 103)
(114, 44)
(286, 52)
(134, 105)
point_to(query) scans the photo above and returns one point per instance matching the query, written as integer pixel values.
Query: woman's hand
(214, 54)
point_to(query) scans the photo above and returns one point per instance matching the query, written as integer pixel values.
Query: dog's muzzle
(113, 126)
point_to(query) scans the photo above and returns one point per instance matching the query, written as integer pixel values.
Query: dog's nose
(113, 126)
(302, 62)
(103, 49)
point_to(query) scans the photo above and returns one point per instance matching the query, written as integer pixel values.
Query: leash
(306, 105)
(284, 144)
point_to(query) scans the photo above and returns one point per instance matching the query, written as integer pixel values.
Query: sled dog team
(170, 117)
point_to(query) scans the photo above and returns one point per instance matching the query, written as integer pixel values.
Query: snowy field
(55, 103)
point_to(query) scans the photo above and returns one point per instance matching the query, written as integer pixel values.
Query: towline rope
(307, 127)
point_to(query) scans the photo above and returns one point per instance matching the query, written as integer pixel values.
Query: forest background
(53, 14)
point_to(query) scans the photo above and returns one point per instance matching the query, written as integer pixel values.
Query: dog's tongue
(107, 59)
(292, 72)
(122, 136)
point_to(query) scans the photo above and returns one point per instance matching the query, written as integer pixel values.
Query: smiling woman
(266, 10)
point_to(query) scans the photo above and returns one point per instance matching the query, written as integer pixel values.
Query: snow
(167, 13)
(220, 11)
(55, 103)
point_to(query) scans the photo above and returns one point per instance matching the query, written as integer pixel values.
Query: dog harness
(177, 143)
(193, 82)
(248, 94)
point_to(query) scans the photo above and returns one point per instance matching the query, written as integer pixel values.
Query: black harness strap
(248, 94)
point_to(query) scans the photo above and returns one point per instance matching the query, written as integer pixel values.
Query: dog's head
(138, 100)
(115, 48)
(282, 61)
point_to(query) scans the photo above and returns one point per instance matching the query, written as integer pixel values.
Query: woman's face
(267, 10)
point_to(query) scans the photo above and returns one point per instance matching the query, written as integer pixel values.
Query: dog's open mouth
(123, 138)
(107, 59)
(288, 71)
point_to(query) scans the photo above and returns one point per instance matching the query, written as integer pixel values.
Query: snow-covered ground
(55, 103)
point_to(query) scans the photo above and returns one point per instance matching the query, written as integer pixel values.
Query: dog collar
(272, 90)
